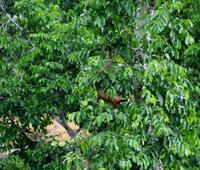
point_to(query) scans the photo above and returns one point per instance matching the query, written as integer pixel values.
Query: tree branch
(108, 63)
(64, 123)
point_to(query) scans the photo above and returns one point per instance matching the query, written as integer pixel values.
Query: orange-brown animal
(114, 102)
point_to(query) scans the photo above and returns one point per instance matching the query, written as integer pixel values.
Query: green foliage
(47, 156)
(13, 162)
(44, 156)
(53, 59)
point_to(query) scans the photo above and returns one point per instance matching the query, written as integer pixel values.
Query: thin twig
(2, 6)
(13, 21)
(21, 129)
(108, 63)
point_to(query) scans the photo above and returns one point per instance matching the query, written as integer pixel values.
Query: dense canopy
(126, 72)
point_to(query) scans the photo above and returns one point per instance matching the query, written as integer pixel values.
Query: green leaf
(189, 40)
